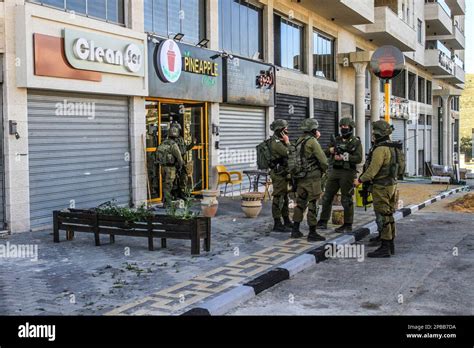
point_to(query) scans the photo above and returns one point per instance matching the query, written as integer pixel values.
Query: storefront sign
(202, 67)
(181, 71)
(249, 82)
(399, 107)
(93, 52)
(170, 64)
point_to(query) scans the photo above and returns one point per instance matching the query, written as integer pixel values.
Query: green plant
(185, 212)
(466, 147)
(130, 215)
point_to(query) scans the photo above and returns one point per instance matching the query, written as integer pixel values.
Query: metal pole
(387, 101)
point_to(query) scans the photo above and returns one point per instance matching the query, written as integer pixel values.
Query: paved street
(424, 278)
(78, 278)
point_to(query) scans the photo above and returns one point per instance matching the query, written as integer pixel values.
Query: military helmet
(381, 128)
(347, 121)
(278, 124)
(309, 125)
(173, 132)
(176, 125)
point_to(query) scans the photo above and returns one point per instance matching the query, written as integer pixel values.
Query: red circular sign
(387, 62)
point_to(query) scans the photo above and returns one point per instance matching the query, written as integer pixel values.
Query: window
(324, 56)
(399, 85)
(429, 92)
(411, 86)
(108, 10)
(170, 17)
(421, 120)
(429, 120)
(288, 44)
(421, 90)
(420, 31)
(241, 30)
(455, 103)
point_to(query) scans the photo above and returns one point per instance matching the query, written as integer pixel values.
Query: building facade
(90, 88)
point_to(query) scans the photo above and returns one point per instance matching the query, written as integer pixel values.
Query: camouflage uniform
(182, 175)
(308, 189)
(384, 186)
(341, 176)
(279, 176)
(169, 172)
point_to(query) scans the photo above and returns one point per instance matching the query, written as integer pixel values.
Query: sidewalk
(78, 278)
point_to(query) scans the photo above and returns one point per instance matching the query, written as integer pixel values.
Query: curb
(224, 302)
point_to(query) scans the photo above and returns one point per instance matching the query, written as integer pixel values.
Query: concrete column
(212, 35)
(446, 122)
(138, 150)
(212, 25)
(268, 37)
(374, 98)
(17, 191)
(360, 101)
(137, 16)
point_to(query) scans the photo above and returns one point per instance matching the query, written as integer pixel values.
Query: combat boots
(344, 228)
(279, 227)
(382, 251)
(296, 233)
(375, 241)
(287, 222)
(313, 236)
(322, 225)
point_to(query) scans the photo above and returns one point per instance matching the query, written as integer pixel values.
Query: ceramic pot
(209, 203)
(251, 204)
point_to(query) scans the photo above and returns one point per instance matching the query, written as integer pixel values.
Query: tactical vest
(349, 147)
(389, 173)
(298, 165)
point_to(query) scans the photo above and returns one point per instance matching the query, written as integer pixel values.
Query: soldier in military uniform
(380, 174)
(344, 155)
(169, 171)
(182, 176)
(308, 188)
(279, 175)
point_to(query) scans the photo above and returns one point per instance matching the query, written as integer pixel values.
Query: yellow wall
(467, 108)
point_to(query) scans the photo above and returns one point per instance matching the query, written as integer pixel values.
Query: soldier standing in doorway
(182, 177)
(171, 164)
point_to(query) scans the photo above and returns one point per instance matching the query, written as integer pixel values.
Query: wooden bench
(158, 226)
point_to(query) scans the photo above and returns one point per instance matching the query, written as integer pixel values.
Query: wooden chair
(225, 177)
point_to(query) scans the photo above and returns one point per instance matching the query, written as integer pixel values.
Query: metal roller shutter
(399, 132)
(241, 129)
(411, 152)
(325, 112)
(76, 160)
(294, 109)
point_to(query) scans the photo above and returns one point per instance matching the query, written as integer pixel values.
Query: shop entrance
(192, 116)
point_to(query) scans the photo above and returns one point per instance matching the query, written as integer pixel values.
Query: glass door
(192, 117)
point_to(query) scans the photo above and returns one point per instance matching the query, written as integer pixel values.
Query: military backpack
(164, 156)
(298, 165)
(264, 155)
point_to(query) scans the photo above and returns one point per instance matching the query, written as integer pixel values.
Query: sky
(469, 36)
